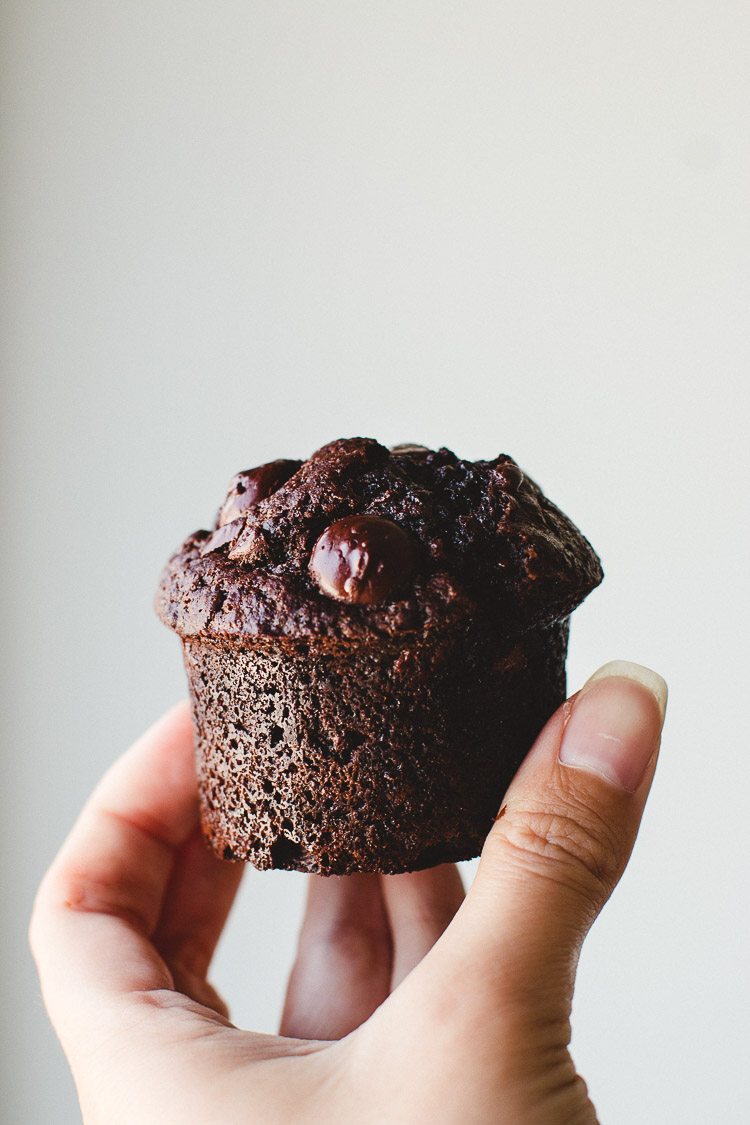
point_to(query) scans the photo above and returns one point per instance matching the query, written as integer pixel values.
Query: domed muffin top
(361, 540)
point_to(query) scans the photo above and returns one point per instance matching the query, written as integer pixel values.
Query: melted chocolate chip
(362, 560)
(253, 485)
(224, 534)
(510, 476)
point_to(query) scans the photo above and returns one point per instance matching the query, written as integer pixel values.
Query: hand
(397, 1011)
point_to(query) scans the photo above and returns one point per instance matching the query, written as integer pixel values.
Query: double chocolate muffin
(372, 638)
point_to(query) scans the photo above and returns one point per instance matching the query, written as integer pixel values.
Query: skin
(407, 1002)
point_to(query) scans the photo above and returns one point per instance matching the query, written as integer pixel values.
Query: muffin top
(361, 540)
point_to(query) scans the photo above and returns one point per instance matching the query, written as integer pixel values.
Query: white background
(235, 230)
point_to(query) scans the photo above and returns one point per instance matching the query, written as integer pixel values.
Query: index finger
(100, 900)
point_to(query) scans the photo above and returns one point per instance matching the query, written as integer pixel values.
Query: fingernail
(615, 723)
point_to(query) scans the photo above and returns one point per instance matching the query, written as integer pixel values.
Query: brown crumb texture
(314, 758)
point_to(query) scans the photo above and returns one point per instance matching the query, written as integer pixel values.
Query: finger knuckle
(569, 843)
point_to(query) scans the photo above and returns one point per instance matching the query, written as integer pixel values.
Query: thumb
(562, 839)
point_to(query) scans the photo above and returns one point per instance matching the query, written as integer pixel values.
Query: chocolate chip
(510, 476)
(227, 533)
(409, 448)
(363, 560)
(253, 485)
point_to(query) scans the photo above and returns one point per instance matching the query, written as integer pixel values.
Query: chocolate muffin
(372, 638)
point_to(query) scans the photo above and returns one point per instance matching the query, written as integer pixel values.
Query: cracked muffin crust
(372, 638)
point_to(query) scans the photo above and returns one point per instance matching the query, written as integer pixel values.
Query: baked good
(372, 637)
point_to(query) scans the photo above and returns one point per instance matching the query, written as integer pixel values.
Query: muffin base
(383, 756)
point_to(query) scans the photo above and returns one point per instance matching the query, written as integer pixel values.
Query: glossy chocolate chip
(250, 487)
(226, 533)
(363, 560)
(510, 475)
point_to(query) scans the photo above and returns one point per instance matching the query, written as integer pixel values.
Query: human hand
(397, 1011)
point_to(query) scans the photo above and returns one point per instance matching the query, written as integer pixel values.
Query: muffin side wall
(387, 755)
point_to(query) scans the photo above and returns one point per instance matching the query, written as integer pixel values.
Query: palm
(361, 936)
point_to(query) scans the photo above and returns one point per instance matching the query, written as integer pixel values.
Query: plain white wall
(235, 230)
